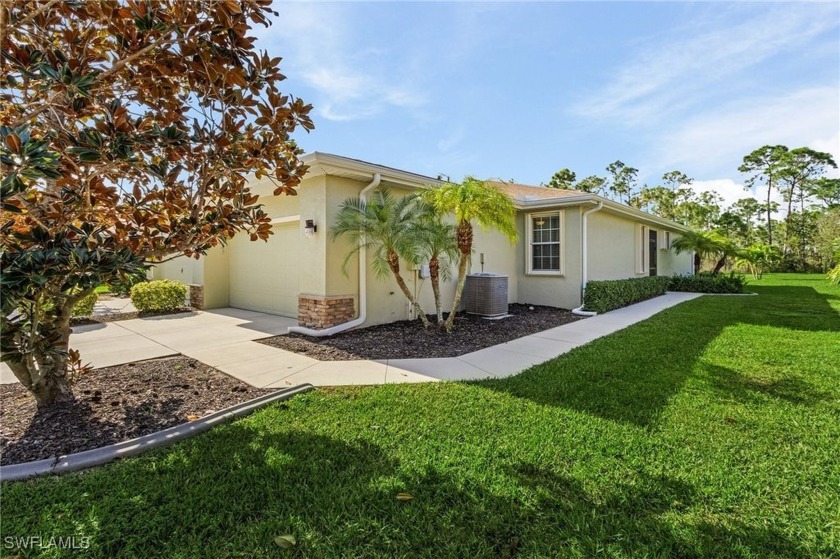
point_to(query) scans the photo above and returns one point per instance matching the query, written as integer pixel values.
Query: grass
(710, 430)
(103, 289)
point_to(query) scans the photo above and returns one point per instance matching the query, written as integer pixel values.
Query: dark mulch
(407, 339)
(114, 404)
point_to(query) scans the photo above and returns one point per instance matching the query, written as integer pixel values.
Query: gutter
(609, 204)
(377, 178)
(584, 257)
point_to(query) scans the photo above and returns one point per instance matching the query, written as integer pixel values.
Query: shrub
(123, 287)
(705, 283)
(159, 295)
(85, 306)
(603, 296)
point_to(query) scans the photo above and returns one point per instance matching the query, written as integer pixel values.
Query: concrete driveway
(223, 338)
(209, 336)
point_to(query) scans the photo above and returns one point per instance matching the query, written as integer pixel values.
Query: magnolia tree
(127, 131)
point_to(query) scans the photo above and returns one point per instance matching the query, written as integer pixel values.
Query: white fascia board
(285, 219)
(609, 205)
(644, 217)
(329, 164)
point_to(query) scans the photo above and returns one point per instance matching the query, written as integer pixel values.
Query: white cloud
(676, 72)
(717, 140)
(348, 77)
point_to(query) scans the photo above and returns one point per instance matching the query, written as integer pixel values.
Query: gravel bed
(407, 339)
(114, 404)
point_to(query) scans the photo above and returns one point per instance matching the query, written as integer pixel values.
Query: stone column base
(197, 296)
(320, 311)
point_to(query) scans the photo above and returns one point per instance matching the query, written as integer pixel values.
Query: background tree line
(800, 235)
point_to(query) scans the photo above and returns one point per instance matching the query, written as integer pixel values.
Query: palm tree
(471, 200)
(387, 227)
(758, 258)
(705, 244)
(439, 247)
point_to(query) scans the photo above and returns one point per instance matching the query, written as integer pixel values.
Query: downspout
(584, 257)
(377, 178)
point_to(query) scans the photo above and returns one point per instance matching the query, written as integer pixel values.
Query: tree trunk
(465, 240)
(786, 238)
(434, 277)
(769, 222)
(720, 264)
(459, 289)
(44, 374)
(394, 264)
(697, 262)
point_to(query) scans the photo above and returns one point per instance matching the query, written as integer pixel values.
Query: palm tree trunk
(459, 289)
(697, 262)
(720, 264)
(394, 265)
(434, 277)
(465, 240)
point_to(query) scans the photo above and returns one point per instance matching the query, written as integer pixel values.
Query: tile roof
(526, 192)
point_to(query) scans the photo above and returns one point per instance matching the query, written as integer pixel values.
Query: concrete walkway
(223, 338)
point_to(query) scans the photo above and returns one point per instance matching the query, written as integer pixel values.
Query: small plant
(159, 295)
(707, 283)
(603, 296)
(85, 306)
(123, 286)
(758, 258)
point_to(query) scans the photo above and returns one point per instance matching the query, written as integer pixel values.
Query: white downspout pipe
(377, 178)
(584, 257)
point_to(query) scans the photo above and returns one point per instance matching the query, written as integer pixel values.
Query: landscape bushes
(85, 305)
(159, 295)
(123, 286)
(603, 296)
(705, 283)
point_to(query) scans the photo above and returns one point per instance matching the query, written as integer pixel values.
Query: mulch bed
(114, 404)
(407, 339)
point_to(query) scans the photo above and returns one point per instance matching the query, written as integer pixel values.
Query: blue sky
(520, 90)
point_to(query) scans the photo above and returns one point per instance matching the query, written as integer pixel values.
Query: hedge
(706, 283)
(159, 295)
(603, 296)
(85, 305)
(123, 287)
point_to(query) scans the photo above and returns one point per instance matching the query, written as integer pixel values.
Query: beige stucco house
(565, 238)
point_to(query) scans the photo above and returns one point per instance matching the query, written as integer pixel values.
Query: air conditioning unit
(486, 294)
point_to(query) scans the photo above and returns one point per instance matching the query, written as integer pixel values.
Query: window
(641, 249)
(545, 253)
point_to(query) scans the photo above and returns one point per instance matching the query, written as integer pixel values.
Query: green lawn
(710, 430)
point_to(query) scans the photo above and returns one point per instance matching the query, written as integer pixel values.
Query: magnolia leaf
(286, 541)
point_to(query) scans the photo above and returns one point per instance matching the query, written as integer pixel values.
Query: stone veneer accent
(197, 296)
(319, 311)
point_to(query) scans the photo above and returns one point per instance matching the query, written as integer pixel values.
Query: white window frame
(641, 246)
(664, 240)
(529, 240)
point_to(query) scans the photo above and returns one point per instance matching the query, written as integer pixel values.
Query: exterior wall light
(310, 228)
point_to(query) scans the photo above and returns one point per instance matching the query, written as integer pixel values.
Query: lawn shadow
(752, 389)
(232, 491)
(631, 375)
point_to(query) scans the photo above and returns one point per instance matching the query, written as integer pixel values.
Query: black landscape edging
(98, 456)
